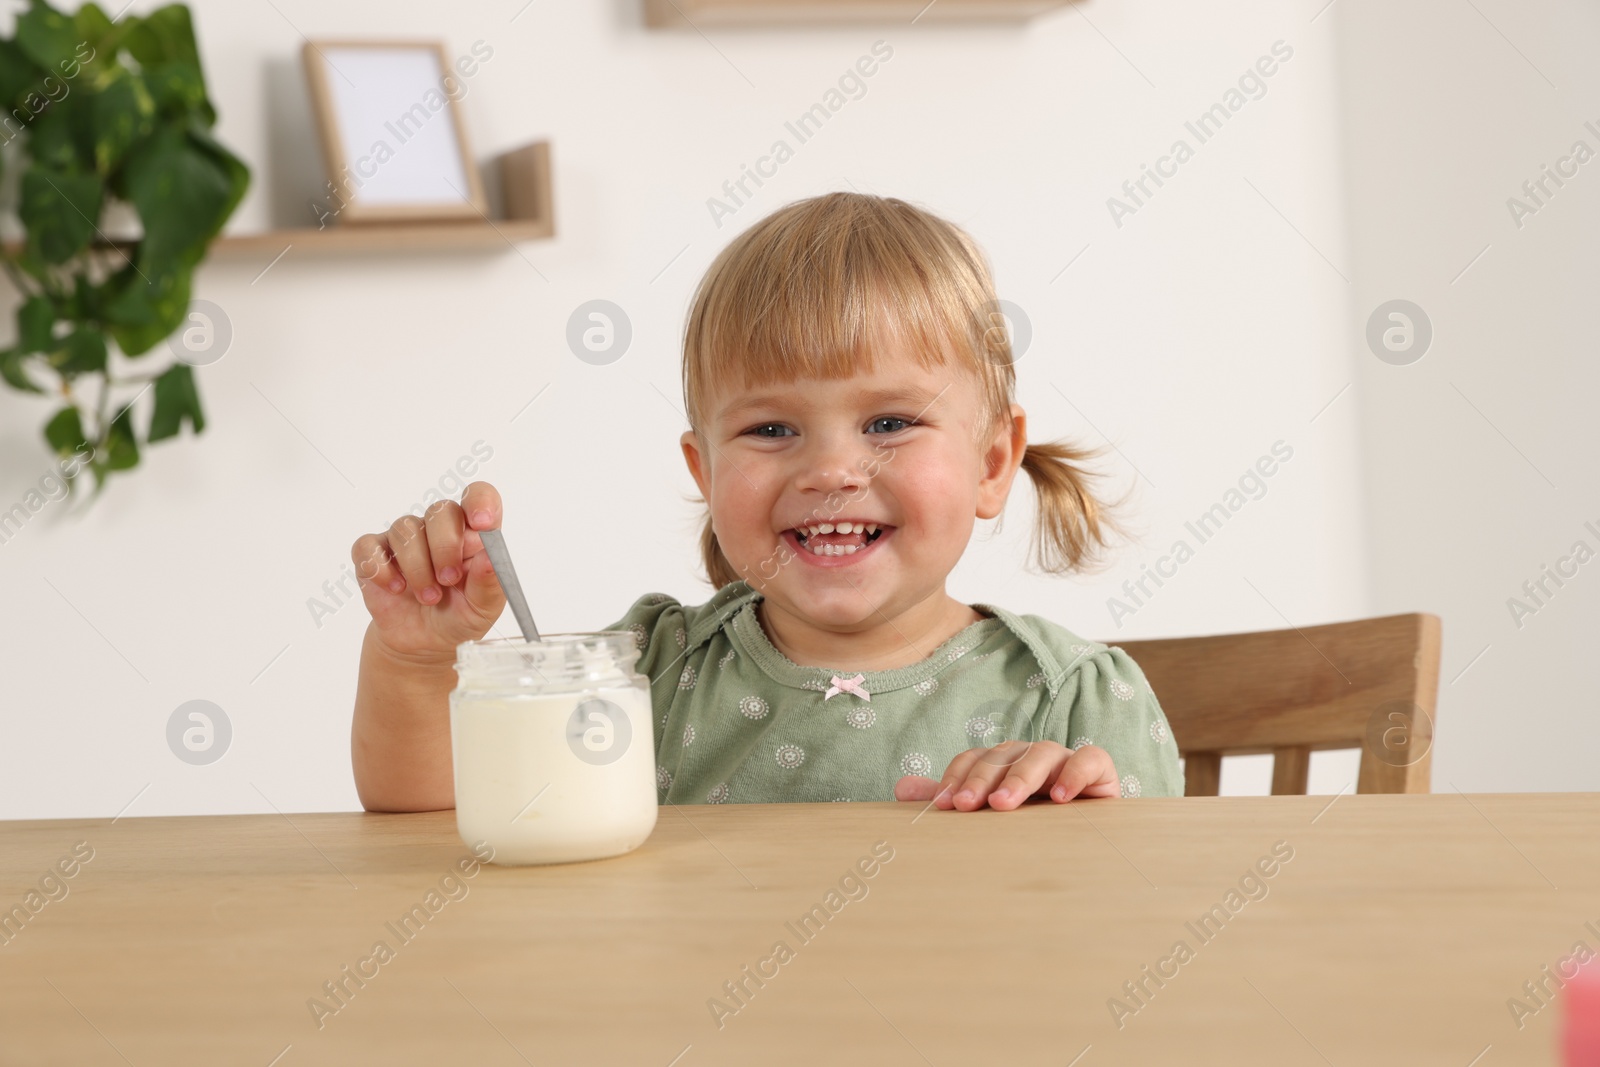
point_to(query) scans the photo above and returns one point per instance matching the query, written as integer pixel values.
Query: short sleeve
(1107, 701)
(659, 626)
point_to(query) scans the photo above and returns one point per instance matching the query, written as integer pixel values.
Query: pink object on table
(1581, 1036)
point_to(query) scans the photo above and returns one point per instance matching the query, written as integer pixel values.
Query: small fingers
(445, 523)
(954, 775)
(915, 787)
(408, 540)
(1028, 774)
(1089, 772)
(481, 505)
(1018, 759)
(374, 564)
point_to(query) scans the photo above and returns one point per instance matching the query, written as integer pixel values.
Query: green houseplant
(100, 113)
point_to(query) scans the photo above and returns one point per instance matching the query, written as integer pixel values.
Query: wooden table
(1397, 933)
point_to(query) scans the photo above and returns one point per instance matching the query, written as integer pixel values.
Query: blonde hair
(800, 294)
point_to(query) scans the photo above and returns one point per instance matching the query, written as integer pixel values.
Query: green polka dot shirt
(737, 721)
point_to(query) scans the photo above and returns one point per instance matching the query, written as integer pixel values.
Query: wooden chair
(1291, 692)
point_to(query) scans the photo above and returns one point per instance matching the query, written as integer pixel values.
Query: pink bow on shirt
(847, 685)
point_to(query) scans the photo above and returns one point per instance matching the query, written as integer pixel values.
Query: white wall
(1479, 462)
(1204, 329)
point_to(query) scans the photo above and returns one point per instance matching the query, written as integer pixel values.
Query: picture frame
(393, 135)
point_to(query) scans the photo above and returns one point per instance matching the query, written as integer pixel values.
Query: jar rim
(550, 649)
(551, 639)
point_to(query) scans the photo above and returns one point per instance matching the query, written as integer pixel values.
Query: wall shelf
(681, 14)
(524, 184)
(528, 215)
(389, 237)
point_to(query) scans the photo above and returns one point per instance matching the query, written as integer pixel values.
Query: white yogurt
(553, 748)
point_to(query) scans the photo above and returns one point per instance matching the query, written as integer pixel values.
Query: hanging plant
(101, 116)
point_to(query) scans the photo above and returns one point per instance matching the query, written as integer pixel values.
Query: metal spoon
(494, 543)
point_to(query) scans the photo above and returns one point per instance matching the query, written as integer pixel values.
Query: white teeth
(833, 550)
(809, 532)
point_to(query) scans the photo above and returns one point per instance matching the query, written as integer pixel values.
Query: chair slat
(1317, 687)
(1202, 774)
(1290, 769)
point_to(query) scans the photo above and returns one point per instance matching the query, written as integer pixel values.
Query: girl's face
(890, 460)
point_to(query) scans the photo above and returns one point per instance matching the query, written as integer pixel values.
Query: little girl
(849, 390)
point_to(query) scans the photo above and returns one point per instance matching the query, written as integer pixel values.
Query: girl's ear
(690, 443)
(1001, 462)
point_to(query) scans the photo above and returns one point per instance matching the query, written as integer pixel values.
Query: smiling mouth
(838, 538)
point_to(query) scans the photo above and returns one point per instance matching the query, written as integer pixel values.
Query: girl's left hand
(1013, 771)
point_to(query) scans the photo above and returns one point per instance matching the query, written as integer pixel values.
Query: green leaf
(54, 139)
(121, 449)
(65, 431)
(59, 209)
(83, 352)
(11, 371)
(184, 191)
(144, 309)
(121, 114)
(92, 24)
(36, 320)
(81, 302)
(238, 174)
(180, 92)
(176, 399)
(18, 74)
(165, 34)
(46, 36)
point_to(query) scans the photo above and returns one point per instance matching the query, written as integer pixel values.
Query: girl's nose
(831, 467)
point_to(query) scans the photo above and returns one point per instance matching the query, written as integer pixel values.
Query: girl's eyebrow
(919, 398)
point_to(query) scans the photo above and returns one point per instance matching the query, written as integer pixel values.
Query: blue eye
(903, 423)
(761, 431)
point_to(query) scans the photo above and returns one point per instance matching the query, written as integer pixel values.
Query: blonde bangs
(813, 290)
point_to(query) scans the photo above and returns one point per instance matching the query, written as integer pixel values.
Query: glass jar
(553, 746)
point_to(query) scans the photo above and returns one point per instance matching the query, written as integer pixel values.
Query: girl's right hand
(428, 582)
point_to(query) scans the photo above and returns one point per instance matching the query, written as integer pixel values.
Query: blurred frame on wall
(393, 137)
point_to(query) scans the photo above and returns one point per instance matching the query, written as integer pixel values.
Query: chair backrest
(1369, 684)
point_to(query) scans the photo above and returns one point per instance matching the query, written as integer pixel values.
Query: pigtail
(1072, 526)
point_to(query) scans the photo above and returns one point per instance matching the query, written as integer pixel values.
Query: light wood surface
(706, 13)
(502, 234)
(1395, 935)
(1371, 684)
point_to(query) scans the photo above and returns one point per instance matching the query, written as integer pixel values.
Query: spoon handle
(494, 543)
